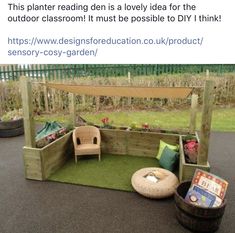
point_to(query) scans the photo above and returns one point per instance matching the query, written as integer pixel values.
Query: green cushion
(163, 145)
(168, 159)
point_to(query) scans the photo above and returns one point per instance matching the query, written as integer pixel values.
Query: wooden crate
(136, 143)
(186, 170)
(40, 163)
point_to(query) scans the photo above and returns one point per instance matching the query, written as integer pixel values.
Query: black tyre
(6, 133)
(11, 124)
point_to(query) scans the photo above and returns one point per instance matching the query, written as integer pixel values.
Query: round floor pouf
(164, 187)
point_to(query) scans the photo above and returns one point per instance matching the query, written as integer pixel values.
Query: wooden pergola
(126, 91)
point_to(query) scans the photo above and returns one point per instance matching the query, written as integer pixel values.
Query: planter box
(186, 170)
(40, 163)
(136, 143)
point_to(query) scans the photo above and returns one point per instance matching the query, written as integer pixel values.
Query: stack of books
(206, 190)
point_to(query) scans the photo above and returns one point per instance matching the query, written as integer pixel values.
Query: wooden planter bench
(40, 163)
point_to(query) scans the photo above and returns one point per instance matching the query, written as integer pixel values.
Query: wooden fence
(59, 72)
(50, 100)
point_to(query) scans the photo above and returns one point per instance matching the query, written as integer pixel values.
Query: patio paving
(28, 206)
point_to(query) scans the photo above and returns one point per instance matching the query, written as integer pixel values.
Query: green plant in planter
(50, 132)
(12, 115)
(157, 124)
(145, 127)
(106, 123)
(69, 126)
(133, 125)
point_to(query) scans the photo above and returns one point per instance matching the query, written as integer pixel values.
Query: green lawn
(223, 119)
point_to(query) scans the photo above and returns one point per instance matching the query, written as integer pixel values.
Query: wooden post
(72, 108)
(207, 73)
(129, 77)
(53, 91)
(27, 105)
(116, 100)
(45, 95)
(1, 99)
(83, 100)
(129, 82)
(193, 116)
(38, 96)
(4, 97)
(53, 95)
(97, 103)
(149, 84)
(208, 98)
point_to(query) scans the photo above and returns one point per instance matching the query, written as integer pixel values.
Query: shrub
(12, 115)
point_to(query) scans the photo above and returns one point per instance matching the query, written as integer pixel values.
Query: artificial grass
(112, 172)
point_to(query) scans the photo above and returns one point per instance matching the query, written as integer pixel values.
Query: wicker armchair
(86, 140)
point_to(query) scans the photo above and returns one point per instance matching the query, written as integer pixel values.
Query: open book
(155, 175)
(152, 176)
(206, 190)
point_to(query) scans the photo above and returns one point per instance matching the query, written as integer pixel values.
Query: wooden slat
(122, 142)
(113, 141)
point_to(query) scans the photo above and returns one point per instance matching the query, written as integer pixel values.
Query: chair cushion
(87, 146)
(84, 149)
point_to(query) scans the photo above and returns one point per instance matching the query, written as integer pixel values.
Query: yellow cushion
(163, 145)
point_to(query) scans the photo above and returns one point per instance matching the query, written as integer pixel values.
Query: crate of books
(200, 203)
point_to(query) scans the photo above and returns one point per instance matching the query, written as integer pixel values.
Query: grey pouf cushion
(164, 187)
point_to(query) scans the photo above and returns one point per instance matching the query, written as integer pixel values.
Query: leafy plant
(12, 115)
(145, 126)
(133, 125)
(156, 124)
(106, 123)
(69, 126)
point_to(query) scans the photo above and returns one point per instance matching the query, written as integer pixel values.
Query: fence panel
(57, 101)
(67, 71)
